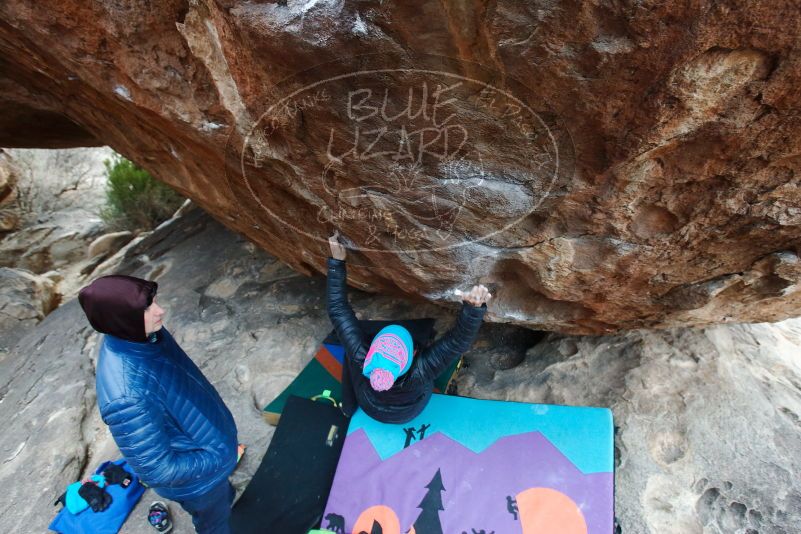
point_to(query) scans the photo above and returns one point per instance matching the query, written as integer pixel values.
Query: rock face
(59, 180)
(57, 202)
(602, 167)
(49, 217)
(25, 299)
(708, 420)
(51, 233)
(9, 212)
(108, 243)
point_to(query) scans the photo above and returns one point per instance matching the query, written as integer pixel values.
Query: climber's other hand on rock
(338, 251)
(477, 296)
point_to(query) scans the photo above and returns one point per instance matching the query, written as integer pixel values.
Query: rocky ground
(708, 421)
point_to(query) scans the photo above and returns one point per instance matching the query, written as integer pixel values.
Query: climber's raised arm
(456, 341)
(339, 310)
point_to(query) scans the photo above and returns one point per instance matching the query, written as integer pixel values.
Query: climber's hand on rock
(338, 251)
(477, 296)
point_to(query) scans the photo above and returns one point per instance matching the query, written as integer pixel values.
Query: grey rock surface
(708, 420)
(50, 202)
(9, 212)
(60, 180)
(58, 200)
(58, 243)
(108, 244)
(25, 299)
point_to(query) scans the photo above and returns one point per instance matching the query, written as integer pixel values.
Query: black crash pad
(289, 491)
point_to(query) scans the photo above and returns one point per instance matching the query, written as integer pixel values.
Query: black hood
(116, 304)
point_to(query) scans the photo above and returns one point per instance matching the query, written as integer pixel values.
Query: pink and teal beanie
(389, 357)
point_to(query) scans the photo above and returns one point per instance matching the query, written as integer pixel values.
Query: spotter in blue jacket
(167, 419)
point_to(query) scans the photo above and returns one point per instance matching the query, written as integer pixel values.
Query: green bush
(134, 199)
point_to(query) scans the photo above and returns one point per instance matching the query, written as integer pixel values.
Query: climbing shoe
(159, 517)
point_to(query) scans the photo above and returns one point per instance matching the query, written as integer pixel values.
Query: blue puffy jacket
(167, 419)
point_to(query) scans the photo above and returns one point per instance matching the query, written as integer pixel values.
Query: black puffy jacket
(410, 393)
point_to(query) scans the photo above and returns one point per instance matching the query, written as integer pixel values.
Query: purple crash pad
(467, 465)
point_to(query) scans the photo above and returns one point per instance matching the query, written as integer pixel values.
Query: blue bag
(110, 520)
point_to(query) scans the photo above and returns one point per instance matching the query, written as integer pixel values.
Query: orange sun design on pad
(383, 515)
(548, 511)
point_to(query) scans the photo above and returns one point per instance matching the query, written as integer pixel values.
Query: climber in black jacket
(393, 399)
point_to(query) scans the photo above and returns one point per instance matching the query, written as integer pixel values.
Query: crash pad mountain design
(519, 483)
(573, 430)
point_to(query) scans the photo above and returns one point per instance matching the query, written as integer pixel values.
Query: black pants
(211, 511)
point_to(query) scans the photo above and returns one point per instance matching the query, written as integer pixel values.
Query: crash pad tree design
(428, 521)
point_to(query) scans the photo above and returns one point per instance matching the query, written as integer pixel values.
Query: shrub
(134, 199)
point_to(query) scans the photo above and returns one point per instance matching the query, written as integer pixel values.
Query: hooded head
(389, 357)
(116, 305)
